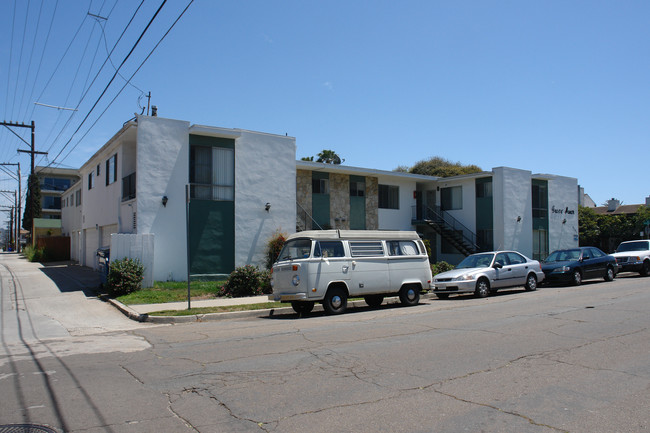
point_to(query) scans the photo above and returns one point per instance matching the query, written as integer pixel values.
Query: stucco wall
(563, 212)
(512, 193)
(398, 219)
(162, 170)
(265, 172)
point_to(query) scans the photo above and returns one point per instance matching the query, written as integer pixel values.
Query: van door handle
(345, 269)
(354, 264)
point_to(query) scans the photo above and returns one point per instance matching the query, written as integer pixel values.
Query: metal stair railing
(443, 219)
(305, 216)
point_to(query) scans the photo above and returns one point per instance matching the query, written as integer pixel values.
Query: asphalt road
(561, 359)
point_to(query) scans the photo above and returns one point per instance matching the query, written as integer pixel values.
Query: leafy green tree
(608, 230)
(440, 167)
(588, 227)
(329, 157)
(32, 202)
(307, 158)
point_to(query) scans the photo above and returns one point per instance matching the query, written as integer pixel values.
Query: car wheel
(482, 288)
(645, 269)
(531, 283)
(577, 278)
(442, 295)
(374, 301)
(609, 274)
(301, 307)
(336, 301)
(409, 295)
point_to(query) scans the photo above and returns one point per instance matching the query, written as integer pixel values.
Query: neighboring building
(241, 184)
(505, 208)
(53, 183)
(614, 207)
(245, 186)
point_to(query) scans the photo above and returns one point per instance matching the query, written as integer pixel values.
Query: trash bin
(104, 255)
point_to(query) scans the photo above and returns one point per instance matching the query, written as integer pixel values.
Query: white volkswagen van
(329, 266)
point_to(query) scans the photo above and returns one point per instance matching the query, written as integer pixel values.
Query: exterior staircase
(452, 230)
(304, 220)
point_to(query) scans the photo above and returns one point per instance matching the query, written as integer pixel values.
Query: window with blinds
(212, 173)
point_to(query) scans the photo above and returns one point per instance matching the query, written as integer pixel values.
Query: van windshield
(295, 249)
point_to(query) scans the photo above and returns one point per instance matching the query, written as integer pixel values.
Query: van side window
(329, 249)
(402, 248)
(366, 249)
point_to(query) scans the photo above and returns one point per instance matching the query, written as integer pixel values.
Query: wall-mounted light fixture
(267, 207)
(519, 218)
(165, 200)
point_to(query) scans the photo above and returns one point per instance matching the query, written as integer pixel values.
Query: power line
(98, 72)
(40, 62)
(112, 79)
(124, 86)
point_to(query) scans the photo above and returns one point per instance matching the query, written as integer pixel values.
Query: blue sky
(556, 87)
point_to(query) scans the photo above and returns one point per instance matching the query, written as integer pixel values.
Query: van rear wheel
(302, 307)
(374, 301)
(336, 301)
(409, 295)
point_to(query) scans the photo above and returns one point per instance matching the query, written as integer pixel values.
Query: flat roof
(347, 169)
(356, 234)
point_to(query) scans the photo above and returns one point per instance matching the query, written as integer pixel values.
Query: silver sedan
(485, 273)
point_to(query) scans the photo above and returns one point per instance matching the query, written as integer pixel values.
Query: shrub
(245, 281)
(124, 276)
(35, 254)
(440, 267)
(273, 247)
(265, 282)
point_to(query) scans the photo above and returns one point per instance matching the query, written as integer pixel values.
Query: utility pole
(10, 209)
(14, 221)
(32, 152)
(18, 204)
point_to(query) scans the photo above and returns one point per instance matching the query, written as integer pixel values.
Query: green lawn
(172, 291)
(222, 309)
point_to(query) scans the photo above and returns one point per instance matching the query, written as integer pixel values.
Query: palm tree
(329, 157)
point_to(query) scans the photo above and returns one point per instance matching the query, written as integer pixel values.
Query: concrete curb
(232, 315)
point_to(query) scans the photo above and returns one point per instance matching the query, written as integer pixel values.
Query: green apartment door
(212, 205)
(357, 203)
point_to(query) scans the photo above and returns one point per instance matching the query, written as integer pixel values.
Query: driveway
(55, 304)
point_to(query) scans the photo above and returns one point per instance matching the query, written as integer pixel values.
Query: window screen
(366, 249)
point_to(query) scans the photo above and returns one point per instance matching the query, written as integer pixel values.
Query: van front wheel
(409, 295)
(336, 301)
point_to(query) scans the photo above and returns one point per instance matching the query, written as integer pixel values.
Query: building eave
(360, 171)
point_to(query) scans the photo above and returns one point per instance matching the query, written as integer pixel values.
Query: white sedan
(485, 273)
